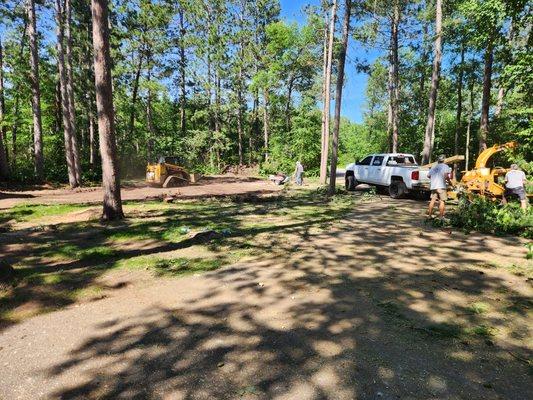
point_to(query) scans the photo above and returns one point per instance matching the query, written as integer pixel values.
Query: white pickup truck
(398, 172)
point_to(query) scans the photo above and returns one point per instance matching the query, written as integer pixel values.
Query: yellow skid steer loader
(167, 173)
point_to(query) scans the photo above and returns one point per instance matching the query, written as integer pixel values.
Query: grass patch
(478, 308)
(183, 266)
(29, 212)
(481, 330)
(75, 252)
(245, 227)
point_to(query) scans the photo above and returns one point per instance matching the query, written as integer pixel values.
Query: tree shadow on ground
(307, 329)
(60, 260)
(366, 305)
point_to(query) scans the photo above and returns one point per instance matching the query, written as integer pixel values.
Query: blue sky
(353, 99)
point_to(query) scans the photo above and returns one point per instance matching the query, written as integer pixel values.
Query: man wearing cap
(439, 174)
(515, 181)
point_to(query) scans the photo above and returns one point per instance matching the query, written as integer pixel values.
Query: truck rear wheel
(351, 183)
(397, 189)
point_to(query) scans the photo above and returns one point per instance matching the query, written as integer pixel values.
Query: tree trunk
(338, 96)
(435, 76)
(240, 88)
(35, 92)
(485, 101)
(134, 94)
(14, 130)
(240, 134)
(499, 103)
(324, 88)
(254, 128)
(183, 63)
(150, 119)
(218, 126)
(58, 115)
(423, 62)
(88, 58)
(394, 77)
(266, 123)
(327, 97)
(70, 92)
(288, 104)
(112, 204)
(92, 139)
(4, 164)
(501, 90)
(240, 115)
(67, 127)
(459, 106)
(469, 125)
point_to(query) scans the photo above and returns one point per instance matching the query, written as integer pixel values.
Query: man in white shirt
(439, 175)
(515, 182)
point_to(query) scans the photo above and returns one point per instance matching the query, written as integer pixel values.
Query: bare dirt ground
(374, 305)
(223, 185)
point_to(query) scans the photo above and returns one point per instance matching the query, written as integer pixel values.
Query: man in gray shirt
(439, 174)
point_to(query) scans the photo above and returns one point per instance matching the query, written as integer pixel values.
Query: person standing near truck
(515, 182)
(439, 175)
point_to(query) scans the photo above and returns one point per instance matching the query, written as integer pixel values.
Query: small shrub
(529, 255)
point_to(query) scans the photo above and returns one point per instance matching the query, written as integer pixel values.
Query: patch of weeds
(91, 292)
(481, 330)
(182, 266)
(478, 308)
(439, 223)
(97, 253)
(369, 194)
(520, 270)
(28, 212)
(529, 247)
(519, 305)
(74, 252)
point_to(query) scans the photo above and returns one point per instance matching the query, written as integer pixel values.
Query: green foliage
(529, 254)
(233, 66)
(357, 141)
(485, 215)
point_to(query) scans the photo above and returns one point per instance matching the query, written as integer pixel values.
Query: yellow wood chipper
(483, 180)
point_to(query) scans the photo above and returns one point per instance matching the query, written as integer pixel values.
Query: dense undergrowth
(487, 216)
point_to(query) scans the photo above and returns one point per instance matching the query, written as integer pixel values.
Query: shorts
(439, 194)
(518, 191)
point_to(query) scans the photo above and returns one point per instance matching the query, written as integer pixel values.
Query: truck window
(365, 161)
(378, 160)
(401, 160)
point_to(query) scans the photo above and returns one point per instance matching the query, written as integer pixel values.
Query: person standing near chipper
(515, 182)
(439, 175)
